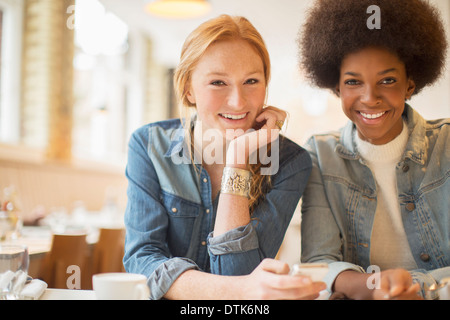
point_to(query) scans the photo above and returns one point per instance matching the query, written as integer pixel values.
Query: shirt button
(207, 211)
(174, 210)
(410, 206)
(425, 257)
(203, 243)
(205, 180)
(405, 168)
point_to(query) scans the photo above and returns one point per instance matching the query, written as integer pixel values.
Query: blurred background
(77, 77)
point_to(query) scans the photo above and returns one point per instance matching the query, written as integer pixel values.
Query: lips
(230, 116)
(372, 115)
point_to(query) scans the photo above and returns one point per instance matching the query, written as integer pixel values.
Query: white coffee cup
(120, 286)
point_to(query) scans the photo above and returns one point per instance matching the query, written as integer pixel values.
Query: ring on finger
(279, 124)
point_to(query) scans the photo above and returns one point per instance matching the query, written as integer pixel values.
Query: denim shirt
(339, 203)
(170, 212)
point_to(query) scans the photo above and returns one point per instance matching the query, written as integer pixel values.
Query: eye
(351, 82)
(252, 81)
(389, 81)
(218, 83)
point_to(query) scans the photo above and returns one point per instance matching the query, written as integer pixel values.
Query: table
(66, 294)
(39, 242)
(38, 239)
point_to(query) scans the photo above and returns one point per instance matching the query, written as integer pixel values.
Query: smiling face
(228, 86)
(373, 87)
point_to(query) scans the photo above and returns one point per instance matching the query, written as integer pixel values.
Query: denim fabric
(170, 212)
(339, 203)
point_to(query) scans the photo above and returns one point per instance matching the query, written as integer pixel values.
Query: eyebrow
(214, 73)
(354, 74)
(224, 74)
(387, 71)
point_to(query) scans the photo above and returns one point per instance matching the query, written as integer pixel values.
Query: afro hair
(412, 29)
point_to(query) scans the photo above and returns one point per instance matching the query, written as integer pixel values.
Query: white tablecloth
(66, 294)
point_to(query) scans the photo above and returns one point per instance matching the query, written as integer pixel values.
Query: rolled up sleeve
(239, 239)
(165, 275)
(234, 252)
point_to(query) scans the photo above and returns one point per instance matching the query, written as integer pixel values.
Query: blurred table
(38, 239)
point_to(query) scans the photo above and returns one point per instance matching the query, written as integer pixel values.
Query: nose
(370, 96)
(236, 99)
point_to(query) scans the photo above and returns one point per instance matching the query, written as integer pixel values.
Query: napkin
(33, 290)
(5, 279)
(18, 282)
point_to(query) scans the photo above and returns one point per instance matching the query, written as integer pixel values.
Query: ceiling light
(178, 8)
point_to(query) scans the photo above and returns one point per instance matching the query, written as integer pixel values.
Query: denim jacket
(170, 212)
(339, 203)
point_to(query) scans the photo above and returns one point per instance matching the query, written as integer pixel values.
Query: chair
(109, 250)
(65, 264)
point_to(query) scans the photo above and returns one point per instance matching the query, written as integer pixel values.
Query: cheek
(396, 97)
(257, 96)
(209, 102)
(205, 96)
(347, 101)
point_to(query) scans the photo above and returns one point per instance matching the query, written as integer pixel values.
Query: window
(100, 83)
(10, 53)
(71, 85)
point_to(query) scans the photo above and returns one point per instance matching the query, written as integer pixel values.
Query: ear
(337, 91)
(411, 88)
(190, 96)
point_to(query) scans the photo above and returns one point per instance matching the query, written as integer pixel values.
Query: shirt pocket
(181, 228)
(178, 207)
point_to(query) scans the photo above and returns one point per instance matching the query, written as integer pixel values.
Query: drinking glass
(8, 224)
(14, 262)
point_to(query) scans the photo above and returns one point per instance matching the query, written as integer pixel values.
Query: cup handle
(143, 292)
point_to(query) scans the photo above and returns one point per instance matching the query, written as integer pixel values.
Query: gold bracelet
(236, 181)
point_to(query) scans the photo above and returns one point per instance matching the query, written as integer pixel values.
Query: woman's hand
(268, 117)
(396, 284)
(393, 284)
(271, 281)
(267, 129)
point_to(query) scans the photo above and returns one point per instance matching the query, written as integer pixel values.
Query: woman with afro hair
(378, 195)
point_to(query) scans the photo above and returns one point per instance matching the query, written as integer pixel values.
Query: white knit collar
(391, 151)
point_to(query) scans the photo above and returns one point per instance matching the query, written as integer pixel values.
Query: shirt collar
(417, 143)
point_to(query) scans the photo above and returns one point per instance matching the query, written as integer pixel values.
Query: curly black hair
(412, 29)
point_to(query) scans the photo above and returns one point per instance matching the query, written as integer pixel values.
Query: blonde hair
(222, 28)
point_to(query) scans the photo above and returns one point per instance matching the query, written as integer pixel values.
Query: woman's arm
(269, 281)
(233, 210)
(240, 242)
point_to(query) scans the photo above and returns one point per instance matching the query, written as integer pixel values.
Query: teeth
(234, 117)
(372, 116)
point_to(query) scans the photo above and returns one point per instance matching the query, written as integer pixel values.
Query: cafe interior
(77, 77)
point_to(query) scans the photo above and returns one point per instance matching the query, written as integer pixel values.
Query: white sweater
(389, 245)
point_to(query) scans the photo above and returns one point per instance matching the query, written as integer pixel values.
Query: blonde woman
(205, 216)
